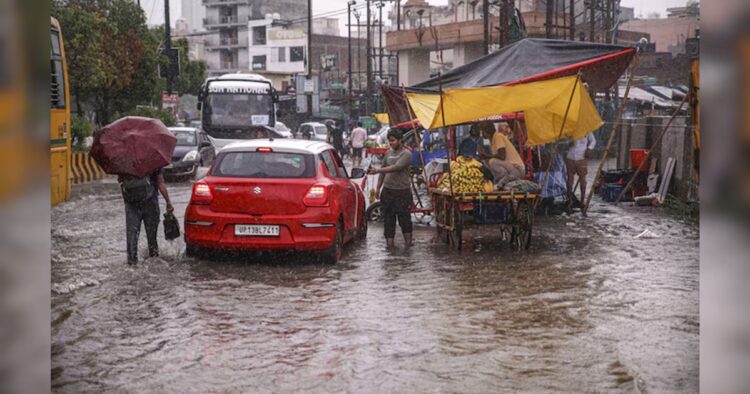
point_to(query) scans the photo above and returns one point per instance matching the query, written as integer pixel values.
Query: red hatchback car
(277, 194)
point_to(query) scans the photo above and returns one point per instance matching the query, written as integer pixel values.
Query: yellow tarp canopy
(543, 104)
(383, 117)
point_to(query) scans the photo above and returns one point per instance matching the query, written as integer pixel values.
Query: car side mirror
(358, 173)
(279, 113)
(205, 144)
(198, 105)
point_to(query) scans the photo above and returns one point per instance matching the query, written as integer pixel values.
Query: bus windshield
(239, 110)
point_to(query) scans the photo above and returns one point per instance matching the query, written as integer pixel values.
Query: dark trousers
(396, 204)
(148, 213)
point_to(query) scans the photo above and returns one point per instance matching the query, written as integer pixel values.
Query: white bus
(238, 107)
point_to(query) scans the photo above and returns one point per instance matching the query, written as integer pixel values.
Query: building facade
(193, 12)
(276, 51)
(227, 47)
(670, 34)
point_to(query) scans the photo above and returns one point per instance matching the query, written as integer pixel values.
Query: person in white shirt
(358, 138)
(575, 161)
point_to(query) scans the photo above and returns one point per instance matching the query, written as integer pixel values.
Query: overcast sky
(155, 8)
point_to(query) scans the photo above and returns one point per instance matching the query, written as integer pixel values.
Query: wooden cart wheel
(523, 218)
(437, 205)
(458, 226)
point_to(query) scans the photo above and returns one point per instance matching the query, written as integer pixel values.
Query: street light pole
(380, 40)
(369, 61)
(349, 25)
(168, 45)
(485, 19)
(398, 28)
(309, 57)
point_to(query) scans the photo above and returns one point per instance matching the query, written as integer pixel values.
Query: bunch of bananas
(466, 175)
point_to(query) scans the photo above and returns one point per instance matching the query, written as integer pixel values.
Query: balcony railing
(223, 43)
(216, 3)
(224, 21)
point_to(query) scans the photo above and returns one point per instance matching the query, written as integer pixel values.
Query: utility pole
(592, 20)
(309, 57)
(168, 45)
(509, 9)
(548, 19)
(349, 25)
(368, 53)
(380, 41)
(359, 62)
(572, 18)
(398, 28)
(486, 20)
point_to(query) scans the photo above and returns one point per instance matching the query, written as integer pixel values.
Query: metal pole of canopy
(418, 139)
(618, 120)
(450, 130)
(559, 136)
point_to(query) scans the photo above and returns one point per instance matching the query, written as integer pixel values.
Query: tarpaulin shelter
(529, 76)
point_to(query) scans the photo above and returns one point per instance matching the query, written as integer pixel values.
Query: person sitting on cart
(470, 145)
(396, 197)
(503, 160)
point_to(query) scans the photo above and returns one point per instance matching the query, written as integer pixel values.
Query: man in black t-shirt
(337, 136)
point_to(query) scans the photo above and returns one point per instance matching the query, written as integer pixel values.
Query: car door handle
(349, 188)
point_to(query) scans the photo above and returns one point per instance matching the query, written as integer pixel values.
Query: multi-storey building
(227, 20)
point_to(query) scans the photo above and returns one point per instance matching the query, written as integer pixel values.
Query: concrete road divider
(85, 169)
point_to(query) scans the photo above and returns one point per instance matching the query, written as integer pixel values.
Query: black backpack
(135, 190)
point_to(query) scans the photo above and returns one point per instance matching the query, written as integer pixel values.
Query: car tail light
(264, 150)
(317, 196)
(201, 194)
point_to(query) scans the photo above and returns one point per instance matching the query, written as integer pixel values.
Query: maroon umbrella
(134, 146)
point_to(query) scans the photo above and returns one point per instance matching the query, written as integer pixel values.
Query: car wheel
(374, 212)
(362, 230)
(192, 250)
(333, 254)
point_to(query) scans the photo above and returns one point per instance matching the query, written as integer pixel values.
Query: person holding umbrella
(136, 149)
(145, 211)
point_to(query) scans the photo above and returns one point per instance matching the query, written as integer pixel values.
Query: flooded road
(588, 308)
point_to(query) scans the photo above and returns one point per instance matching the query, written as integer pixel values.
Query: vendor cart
(513, 212)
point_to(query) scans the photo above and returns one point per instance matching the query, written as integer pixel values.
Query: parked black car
(194, 149)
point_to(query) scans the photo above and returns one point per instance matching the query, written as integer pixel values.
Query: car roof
(313, 124)
(181, 128)
(279, 145)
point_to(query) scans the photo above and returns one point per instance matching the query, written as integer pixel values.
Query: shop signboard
(331, 111)
(368, 122)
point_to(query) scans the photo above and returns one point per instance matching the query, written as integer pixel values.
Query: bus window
(57, 88)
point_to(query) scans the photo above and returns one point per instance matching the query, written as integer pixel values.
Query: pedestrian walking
(575, 162)
(395, 182)
(503, 161)
(335, 137)
(142, 205)
(359, 136)
(136, 149)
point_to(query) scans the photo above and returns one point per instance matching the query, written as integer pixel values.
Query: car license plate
(254, 230)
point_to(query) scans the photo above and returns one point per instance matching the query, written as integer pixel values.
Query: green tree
(150, 112)
(192, 73)
(112, 57)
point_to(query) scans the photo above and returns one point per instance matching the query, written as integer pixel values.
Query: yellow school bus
(59, 118)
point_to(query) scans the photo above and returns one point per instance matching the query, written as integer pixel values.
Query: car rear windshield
(265, 165)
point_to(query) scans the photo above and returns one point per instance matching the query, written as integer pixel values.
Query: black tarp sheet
(527, 60)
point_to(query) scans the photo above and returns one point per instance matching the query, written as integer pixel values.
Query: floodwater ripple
(588, 307)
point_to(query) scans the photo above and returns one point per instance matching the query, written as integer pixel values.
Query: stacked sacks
(467, 176)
